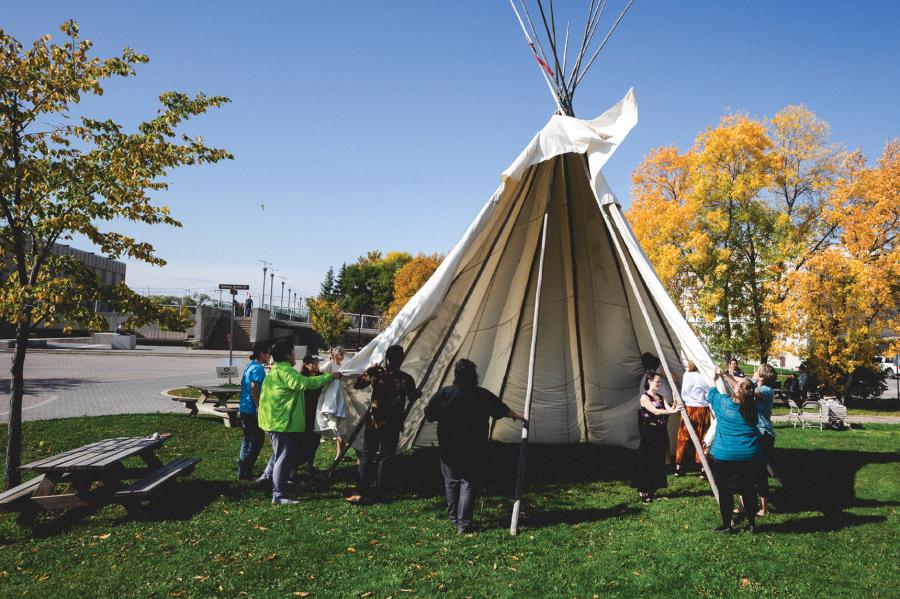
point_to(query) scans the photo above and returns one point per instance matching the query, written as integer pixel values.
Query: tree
(338, 286)
(367, 285)
(725, 222)
(61, 176)
(843, 303)
(409, 279)
(326, 291)
(327, 319)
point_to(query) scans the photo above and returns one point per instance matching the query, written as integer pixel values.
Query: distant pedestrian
(248, 306)
(282, 413)
(251, 386)
(393, 392)
(803, 381)
(653, 413)
(735, 450)
(463, 411)
(792, 387)
(694, 388)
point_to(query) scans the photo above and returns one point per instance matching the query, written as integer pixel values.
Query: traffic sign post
(233, 288)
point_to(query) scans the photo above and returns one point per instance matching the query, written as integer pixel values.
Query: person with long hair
(332, 413)
(735, 449)
(764, 377)
(694, 388)
(653, 414)
(463, 411)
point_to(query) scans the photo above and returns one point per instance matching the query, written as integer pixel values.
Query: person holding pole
(693, 393)
(251, 386)
(764, 377)
(653, 413)
(735, 450)
(331, 413)
(393, 392)
(463, 411)
(282, 413)
(310, 439)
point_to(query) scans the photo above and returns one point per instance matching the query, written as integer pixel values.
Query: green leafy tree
(327, 319)
(326, 290)
(367, 285)
(62, 176)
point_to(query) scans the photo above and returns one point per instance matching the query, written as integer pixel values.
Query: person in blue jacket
(735, 449)
(251, 384)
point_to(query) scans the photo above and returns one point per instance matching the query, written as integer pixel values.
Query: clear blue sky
(386, 125)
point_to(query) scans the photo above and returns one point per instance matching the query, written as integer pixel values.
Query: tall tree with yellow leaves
(844, 302)
(725, 221)
(409, 279)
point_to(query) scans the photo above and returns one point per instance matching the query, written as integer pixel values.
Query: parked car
(888, 365)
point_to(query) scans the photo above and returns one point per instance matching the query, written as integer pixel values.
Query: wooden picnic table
(95, 474)
(217, 398)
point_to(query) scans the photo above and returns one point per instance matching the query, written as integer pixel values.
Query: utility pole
(290, 313)
(271, 288)
(281, 301)
(266, 265)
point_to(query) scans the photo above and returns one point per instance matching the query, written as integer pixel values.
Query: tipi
(550, 294)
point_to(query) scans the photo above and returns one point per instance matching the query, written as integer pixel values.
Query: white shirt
(694, 389)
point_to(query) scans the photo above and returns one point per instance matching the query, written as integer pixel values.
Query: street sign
(227, 372)
(234, 287)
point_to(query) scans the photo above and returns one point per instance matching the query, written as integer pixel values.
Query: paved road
(62, 384)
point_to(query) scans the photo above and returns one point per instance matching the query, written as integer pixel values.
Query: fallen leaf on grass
(636, 573)
(351, 549)
(202, 578)
(366, 594)
(300, 594)
(745, 582)
(258, 527)
(103, 536)
(407, 590)
(272, 556)
(180, 593)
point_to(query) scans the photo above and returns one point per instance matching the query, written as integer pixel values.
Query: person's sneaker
(678, 473)
(726, 530)
(752, 529)
(284, 501)
(263, 481)
(464, 530)
(355, 499)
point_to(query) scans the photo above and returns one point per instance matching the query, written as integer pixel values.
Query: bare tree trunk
(17, 390)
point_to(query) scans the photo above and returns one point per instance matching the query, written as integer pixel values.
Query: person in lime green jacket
(282, 415)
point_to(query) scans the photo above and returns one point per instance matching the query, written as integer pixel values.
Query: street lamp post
(271, 288)
(262, 302)
(281, 301)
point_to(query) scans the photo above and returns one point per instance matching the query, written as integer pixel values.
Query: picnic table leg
(194, 411)
(151, 460)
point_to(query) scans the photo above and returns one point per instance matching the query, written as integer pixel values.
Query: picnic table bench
(95, 474)
(216, 397)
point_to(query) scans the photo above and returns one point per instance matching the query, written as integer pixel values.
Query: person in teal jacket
(282, 413)
(735, 449)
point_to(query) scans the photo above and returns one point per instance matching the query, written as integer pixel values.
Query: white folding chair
(811, 415)
(794, 413)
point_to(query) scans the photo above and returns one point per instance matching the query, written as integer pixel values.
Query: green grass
(857, 407)
(833, 534)
(191, 392)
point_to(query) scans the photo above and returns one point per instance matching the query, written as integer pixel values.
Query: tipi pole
(659, 352)
(529, 389)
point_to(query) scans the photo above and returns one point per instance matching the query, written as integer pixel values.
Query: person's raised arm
(297, 382)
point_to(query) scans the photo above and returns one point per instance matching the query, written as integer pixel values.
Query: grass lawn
(885, 406)
(834, 533)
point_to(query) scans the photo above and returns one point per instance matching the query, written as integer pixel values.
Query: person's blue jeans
(284, 454)
(461, 488)
(251, 445)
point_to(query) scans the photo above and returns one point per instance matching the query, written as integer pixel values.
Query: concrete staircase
(219, 337)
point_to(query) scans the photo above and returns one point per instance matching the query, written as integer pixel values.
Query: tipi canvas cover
(591, 332)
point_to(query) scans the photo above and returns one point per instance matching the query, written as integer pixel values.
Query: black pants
(461, 487)
(307, 448)
(379, 449)
(767, 445)
(650, 469)
(736, 477)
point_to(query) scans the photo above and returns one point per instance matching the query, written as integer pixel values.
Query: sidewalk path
(60, 384)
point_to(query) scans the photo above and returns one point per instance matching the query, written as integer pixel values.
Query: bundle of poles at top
(562, 80)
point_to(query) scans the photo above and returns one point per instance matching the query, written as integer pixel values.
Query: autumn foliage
(769, 235)
(409, 279)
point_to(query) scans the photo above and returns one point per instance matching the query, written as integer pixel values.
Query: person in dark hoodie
(393, 392)
(463, 411)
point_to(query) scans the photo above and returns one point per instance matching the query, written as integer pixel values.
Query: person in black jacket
(463, 411)
(393, 392)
